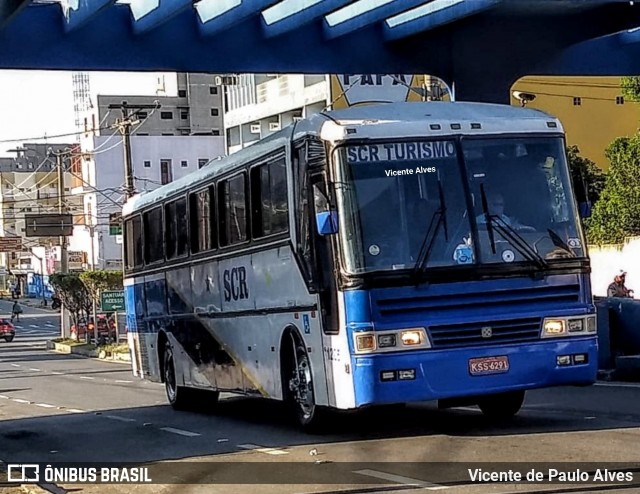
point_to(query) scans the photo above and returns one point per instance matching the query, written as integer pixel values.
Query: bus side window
(128, 244)
(201, 220)
(170, 229)
(233, 210)
(133, 243)
(182, 227)
(137, 240)
(153, 244)
(269, 199)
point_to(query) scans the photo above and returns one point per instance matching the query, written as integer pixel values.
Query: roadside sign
(48, 225)
(115, 223)
(112, 300)
(10, 244)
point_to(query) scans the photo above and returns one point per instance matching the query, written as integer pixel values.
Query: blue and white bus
(373, 255)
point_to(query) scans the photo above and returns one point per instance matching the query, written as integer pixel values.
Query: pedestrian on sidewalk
(16, 311)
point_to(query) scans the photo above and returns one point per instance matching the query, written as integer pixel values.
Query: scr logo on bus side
(235, 284)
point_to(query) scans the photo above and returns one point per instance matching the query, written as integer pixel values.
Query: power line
(47, 137)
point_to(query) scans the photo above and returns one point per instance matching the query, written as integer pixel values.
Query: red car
(106, 328)
(7, 330)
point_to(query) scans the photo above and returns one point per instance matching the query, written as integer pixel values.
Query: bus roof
(379, 118)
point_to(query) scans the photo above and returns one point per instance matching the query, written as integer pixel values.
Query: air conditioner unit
(255, 128)
(297, 119)
(274, 126)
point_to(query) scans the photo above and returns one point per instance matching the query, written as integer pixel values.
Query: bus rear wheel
(178, 396)
(501, 405)
(302, 398)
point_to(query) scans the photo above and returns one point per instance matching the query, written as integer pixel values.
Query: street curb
(74, 349)
(83, 351)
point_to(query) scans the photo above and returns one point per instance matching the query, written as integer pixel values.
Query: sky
(38, 103)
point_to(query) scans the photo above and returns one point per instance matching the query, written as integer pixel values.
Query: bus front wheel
(501, 405)
(307, 413)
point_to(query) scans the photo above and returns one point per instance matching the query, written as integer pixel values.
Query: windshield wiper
(443, 211)
(428, 241)
(519, 243)
(558, 242)
(487, 219)
(440, 218)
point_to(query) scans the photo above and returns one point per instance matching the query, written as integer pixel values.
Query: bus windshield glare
(482, 201)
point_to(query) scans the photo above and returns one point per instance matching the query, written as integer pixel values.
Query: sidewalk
(32, 302)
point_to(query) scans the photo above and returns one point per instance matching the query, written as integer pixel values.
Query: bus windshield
(425, 204)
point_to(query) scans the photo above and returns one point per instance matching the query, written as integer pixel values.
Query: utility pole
(64, 264)
(93, 268)
(128, 115)
(64, 261)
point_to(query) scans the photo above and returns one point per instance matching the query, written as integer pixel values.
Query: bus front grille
(485, 333)
(455, 314)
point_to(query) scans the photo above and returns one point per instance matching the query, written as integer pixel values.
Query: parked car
(106, 328)
(7, 330)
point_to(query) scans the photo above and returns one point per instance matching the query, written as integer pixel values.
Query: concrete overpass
(482, 46)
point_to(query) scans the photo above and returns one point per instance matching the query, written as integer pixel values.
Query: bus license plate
(488, 365)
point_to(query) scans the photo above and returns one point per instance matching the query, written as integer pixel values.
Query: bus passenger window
(128, 244)
(182, 227)
(233, 211)
(270, 208)
(170, 229)
(153, 244)
(137, 240)
(201, 220)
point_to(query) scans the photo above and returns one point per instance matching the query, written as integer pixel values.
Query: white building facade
(156, 160)
(258, 105)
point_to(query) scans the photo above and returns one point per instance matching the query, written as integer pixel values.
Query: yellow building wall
(595, 122)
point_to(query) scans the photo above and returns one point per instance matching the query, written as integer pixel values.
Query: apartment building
(29, 186)
(197, 110)
(256, 105)
(170, 137)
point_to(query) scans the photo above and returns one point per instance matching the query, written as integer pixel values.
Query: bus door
(325, 260)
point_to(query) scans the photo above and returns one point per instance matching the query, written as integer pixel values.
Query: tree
(96, 281)
(73, 294)
(617, 214)
(630, 87)
(588, 180)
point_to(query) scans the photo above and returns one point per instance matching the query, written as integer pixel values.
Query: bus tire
(308, 415)
(180, 398)
(501, 405)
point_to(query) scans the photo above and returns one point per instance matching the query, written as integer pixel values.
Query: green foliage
(630, 87)
(99, 280)
(588, 180)
(617, 214)
(73, 294)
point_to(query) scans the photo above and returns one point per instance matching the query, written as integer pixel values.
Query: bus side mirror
(327, 222)
(584, 209)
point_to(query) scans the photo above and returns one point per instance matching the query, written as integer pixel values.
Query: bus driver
(495, 203)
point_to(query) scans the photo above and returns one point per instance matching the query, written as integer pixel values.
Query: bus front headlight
(411, 337)
(553, 327)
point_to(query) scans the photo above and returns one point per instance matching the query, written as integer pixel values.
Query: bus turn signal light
(365, 342)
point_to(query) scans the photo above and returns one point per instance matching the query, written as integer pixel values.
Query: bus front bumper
(436, 374)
